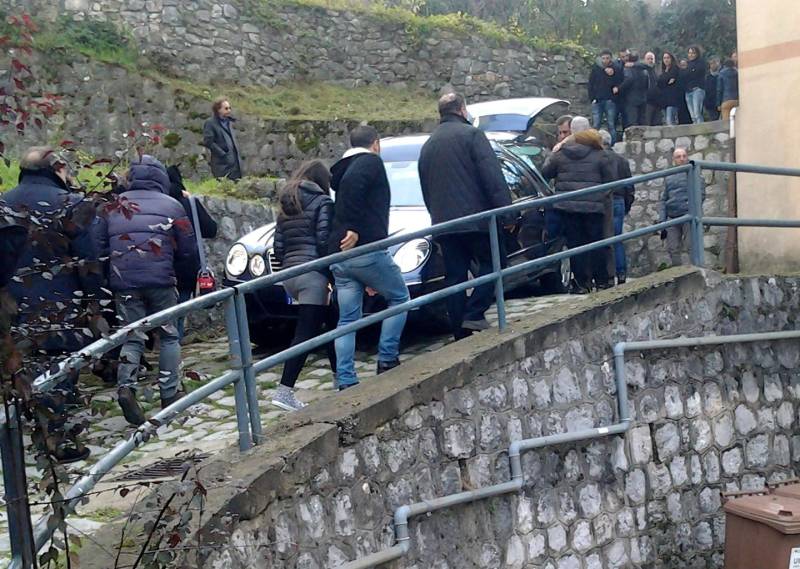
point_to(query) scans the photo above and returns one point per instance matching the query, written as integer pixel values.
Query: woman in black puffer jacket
(301, 235)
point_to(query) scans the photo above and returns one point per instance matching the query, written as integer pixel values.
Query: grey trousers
(675, 237)
(133, 305)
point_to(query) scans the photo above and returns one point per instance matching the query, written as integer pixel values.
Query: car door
(524, 242)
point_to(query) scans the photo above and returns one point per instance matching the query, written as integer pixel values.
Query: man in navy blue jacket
(146, 234)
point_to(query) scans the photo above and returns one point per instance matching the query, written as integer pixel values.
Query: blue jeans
(671, 116)
(694, 100)
(376, 271)
(620, 261)
(133, 305)
(183, 296)
(607, 108)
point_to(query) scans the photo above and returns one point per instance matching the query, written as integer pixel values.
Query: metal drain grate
(163, 468)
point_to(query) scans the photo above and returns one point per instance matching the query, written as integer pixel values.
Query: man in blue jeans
(623, 200)
(604, 85)
(361, 216)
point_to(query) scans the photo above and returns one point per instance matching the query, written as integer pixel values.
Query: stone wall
(649, 149)
(322, 488)
(232, 40)
(103, 102)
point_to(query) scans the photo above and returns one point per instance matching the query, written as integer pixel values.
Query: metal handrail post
(697, 251)
(499, 297)
(15, 483)
(239, 391)
(248, 373)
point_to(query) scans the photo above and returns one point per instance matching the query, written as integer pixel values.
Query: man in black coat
(361, 216)
(604, 89)
(219, 138)
(460, 175)
(634, 91)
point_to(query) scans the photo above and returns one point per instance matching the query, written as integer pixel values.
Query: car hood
(401, 220)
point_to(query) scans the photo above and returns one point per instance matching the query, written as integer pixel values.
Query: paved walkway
(211, 425)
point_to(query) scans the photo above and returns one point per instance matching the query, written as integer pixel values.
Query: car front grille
(274, 264)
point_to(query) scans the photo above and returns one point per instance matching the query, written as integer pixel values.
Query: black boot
(386, 366)
(130, 406)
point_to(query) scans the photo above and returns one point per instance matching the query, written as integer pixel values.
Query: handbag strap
(196, 222)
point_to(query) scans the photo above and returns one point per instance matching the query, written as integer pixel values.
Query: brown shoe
(130, 406)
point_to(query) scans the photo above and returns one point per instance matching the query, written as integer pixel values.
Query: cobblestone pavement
(211, 425)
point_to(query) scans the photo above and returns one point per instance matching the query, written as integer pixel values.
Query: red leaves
(122, 205)
(19, 84)
(67, 144)
(174, 539)
(19, 66)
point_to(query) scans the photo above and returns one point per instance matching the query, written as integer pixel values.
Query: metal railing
(243, 368)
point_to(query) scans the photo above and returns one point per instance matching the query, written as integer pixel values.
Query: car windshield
(504, 123)
(404, 183)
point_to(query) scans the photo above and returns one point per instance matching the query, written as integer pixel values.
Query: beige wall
(768, 129)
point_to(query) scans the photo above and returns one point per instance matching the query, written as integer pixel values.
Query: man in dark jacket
(582, 163)
(710, 102)
(62, 259)
(145, 235)
(219, 138)
(652, 115)
(675, 203)
(623, 200)
(604, 87)
(186, 269)
(634, 91)
(727, 89)
(361, 216)
(460, 175)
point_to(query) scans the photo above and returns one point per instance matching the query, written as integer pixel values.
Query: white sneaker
(285, 399)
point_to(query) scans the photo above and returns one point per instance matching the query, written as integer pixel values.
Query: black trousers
(459, 252)
(634, 115)
(652, 115)
(581, 229)
(312, 320)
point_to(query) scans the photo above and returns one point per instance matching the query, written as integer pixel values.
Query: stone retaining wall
(255, 41)
(103, 102)
(649, 149)
(322, 488)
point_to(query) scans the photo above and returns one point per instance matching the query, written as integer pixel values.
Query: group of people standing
(137, 248)
(641, 92)
(459, 175)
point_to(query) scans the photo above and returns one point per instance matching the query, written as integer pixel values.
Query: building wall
(768, 129)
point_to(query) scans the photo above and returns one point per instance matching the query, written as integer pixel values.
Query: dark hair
(673, 61)
(217, 104)
(312, 171)
(697, 50)
(363, 136)
(451, 104)
(606, 52)
(633, 56)
(728, 62)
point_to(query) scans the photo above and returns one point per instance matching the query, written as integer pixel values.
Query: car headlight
(412, 255)
(236, 263)
(257, 265)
